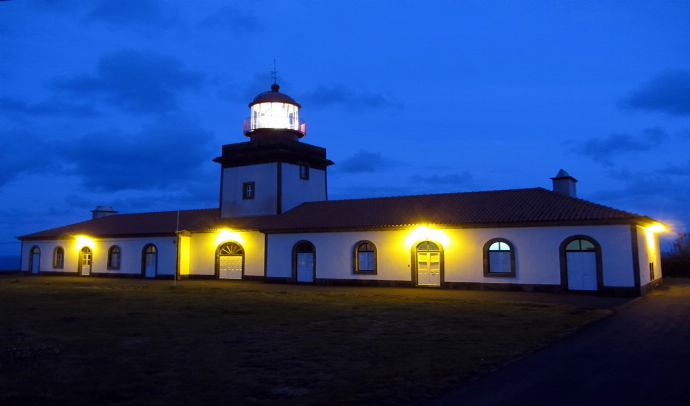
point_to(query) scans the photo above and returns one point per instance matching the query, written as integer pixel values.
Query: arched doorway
(304, 262)
(85, 261)
(149, 261)
(230, 261)
(428, 260)
(581, 263)
(35, 260)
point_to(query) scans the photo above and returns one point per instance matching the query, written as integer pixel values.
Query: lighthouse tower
(272, 172)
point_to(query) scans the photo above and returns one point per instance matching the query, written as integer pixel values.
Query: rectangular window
(499, 261)
(248, 190)
(304, 171)
(366, 261)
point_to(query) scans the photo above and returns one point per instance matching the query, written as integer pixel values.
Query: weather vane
(274, 73)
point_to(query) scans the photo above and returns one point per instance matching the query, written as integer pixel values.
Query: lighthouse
(274, 171)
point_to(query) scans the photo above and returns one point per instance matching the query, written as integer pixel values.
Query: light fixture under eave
(227, 235)
(426, 233)
(84, 241)
(657, 228)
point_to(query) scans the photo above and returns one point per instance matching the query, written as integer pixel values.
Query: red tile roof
(158, 223)
(518, 207)
(534, 206)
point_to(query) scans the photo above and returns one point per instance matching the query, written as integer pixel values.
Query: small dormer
(274, 115)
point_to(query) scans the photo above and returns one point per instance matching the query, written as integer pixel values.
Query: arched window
(365, 258)
(230, 261)
(499, 258)
(428, 264)
(34, 259)
(581, 265)
(304, 262)
(114, 257)
(149, 261)
(59, 258)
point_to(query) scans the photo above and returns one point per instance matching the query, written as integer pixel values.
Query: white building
(275, 224)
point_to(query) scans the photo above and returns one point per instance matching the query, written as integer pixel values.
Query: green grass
(65, 342)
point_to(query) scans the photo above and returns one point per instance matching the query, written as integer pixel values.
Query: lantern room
(274, 114)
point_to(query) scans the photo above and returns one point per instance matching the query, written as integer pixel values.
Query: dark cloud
(168, 152)
(341, 95)
(453, 179)
(51, 107)
(365, 161)
(676, 170)
(134, 81)
(232, 18)
(24, 152)
(261, 82)
(653, 194)
(668, 92)
(602, 150)
(142, 13)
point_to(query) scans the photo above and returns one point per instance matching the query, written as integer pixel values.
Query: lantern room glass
(275, 115)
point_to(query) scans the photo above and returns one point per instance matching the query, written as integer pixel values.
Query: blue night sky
(126, 103)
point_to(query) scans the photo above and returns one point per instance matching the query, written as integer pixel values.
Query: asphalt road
(638, 356)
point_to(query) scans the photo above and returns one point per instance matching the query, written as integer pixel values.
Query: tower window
(304, 171)
(248, 190)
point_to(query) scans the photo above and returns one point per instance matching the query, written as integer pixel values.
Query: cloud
(449, 179)
(668, 92)
(134, 81)
(142, 13)
(24, 152)
(232, 18)
(676, 170)
(365, 161)
(602, 150)
(162, 155)
(341, 95)
(52, 107)
(261, 82)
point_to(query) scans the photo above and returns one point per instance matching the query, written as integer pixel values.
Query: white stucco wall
(649, 252)
(264, 202)
(130, 254)
(296, 191)
(203, 246)
(537, 253)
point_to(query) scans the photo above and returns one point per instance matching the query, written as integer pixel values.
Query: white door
(230, 267)
(429, 268)
(35, 262)
(150, 265)
(305, 267)
(85, 264)
(582, 270)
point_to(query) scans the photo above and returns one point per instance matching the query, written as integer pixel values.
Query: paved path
(639, 356)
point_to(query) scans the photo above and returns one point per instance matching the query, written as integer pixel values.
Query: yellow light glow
(426, 233)
(657, 228)
(84, 241)
(228, 235)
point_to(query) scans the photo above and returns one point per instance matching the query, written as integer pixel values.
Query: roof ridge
(427, 194)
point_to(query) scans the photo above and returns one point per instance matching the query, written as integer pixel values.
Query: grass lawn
(67, 342)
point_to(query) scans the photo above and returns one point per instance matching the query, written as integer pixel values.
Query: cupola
(564, 183)
(274, 115)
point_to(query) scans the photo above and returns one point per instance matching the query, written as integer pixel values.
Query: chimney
(564, 183)
(102, 211)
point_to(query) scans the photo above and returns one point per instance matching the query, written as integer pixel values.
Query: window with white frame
(499, 258)
(365, 258)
